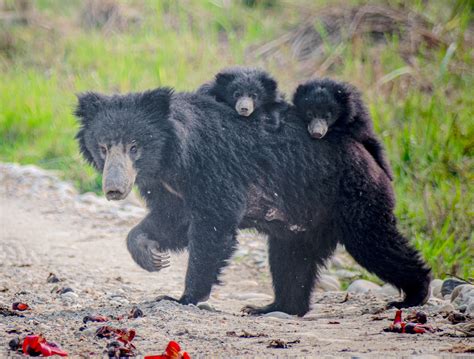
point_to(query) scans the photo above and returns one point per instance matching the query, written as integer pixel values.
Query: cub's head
(323, 102)
(245, 89)
(123, 136)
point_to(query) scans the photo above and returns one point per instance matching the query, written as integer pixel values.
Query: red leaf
(20, 306)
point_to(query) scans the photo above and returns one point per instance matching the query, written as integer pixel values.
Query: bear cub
(328, 105)
(251, 92)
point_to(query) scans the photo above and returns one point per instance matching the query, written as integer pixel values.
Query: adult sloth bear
(204, 174)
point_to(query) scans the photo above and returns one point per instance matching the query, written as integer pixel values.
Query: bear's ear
(223, 78)
(89, 104)
(156, 102)
(269, 84)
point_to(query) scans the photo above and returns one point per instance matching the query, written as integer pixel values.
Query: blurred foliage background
(413, 60)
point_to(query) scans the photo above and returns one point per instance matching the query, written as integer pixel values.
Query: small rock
(435, 286)
(14, 344)
(52, 278)
(252, 296)
(449, 285)
(458, 290)
(470, 309)
(279, 315)
(65, 290)
(363, 286)
(389, 290)
(328, 283)
(462, 298)
(346, 274)
(206, 306)
(447, 308)
(69, 297)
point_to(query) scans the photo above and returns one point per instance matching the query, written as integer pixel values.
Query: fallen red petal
(173, 351)
(20, 306)
(398, 317)
(35, 345)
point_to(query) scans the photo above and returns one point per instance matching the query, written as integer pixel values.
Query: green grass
(422, 101)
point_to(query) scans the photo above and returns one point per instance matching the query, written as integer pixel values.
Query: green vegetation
(418, 79)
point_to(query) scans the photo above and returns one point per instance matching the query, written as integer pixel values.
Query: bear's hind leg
(380, 248)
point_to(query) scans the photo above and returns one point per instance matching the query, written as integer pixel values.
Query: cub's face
(246, 92)
(320, 106)
(120, 134)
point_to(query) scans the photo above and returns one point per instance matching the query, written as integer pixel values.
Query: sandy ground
(46, 227)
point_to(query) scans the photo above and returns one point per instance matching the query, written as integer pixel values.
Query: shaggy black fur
(204, 174)
(233, 85)
(341, 106)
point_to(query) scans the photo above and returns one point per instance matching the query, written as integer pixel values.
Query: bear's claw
(160, 260)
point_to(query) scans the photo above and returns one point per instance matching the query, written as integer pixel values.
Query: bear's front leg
(149, 241)
(210, 246)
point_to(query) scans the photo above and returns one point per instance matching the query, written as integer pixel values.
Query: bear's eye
(133, 149)
(103, 149)
(253, 96)
(237, 94)
(309, 113)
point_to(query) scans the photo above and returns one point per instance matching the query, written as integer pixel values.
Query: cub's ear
(299, 94)
(156, 102)
(89, 104)
(269, 84)
(223, 78)
(343, 92)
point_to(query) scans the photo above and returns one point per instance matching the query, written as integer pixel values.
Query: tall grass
(421, 102)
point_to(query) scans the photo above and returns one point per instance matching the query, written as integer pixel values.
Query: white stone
(328, 283)
(435, 286)
(363, 286)
(279, 315)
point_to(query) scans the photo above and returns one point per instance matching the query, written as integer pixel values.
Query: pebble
(449, 285)
(252, 296)
(389, 290)
(446, 308)
(206, 306)
(346, 274)
(363, 286)
(69, 294)
(328, 283)
(462, 298)
(279, 315)
(435, 286)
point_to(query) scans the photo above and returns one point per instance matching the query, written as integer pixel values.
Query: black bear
(328, 105)
(204, 174)
(251, 92)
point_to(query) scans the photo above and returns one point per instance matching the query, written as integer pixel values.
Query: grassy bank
(413, 61)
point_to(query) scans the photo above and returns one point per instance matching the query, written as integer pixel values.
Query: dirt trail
(46, 227)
